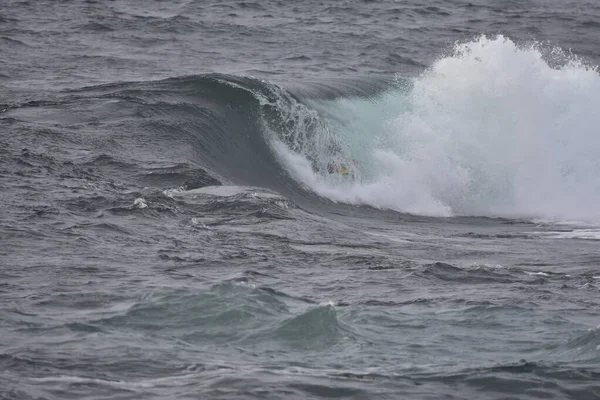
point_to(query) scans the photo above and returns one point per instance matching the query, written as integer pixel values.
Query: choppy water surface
(171, 229)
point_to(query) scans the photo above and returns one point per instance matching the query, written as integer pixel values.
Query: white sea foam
(588, 234)
(140, 203)
(228, 191)
(491, 130)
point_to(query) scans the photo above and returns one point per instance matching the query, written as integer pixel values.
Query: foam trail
(491, 130)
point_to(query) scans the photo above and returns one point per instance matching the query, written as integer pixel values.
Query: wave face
(495, 129)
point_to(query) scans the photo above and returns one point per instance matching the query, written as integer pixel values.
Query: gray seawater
(169, 229)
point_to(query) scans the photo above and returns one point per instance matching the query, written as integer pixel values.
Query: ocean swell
(494, 129)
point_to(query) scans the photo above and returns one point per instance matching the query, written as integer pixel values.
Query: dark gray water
(170, 227)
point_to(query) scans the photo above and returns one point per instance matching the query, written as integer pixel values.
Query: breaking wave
(493, 129)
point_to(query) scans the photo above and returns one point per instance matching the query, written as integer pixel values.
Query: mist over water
(495, 129)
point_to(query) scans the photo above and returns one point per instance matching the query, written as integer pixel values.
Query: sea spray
(495, 129)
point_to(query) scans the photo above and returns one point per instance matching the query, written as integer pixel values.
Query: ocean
(299, 200)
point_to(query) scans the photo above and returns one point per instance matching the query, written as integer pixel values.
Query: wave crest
(495, 129)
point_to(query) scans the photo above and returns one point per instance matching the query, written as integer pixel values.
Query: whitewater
(494, 129)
